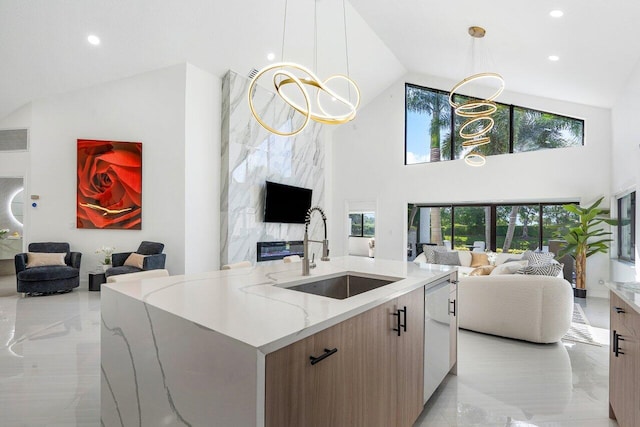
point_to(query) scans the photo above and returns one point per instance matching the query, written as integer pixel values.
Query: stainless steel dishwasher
(436, 336)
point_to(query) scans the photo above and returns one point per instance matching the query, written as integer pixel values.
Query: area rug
(580, 330)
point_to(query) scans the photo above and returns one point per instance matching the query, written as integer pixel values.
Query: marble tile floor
(508, 383)
(49, 358)
(50, 371)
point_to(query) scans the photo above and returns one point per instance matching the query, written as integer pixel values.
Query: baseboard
(598, 293)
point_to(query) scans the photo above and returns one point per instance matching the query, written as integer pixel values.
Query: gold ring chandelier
(306, 80)
(283, 76)
(478, 112)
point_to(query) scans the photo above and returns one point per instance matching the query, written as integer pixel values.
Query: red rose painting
(109, 184)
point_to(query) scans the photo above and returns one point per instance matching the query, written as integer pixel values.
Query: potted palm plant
(588, 237)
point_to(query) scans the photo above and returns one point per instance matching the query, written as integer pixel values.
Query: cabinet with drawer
(624, 363)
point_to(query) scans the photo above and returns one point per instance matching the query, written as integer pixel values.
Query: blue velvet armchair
(48, 279)
(154, 259)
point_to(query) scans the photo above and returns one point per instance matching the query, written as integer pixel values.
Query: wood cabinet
(624, 363)
(453, 324)
(373, 379)
(410, 358)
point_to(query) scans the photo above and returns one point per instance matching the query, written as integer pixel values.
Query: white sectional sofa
(520, 306)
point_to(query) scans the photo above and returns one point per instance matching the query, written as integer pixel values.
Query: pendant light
(289, 74)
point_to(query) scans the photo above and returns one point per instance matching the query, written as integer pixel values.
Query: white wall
(368, 164)
(625, 170)
(149, 108)
(16, 163)
(202, 171)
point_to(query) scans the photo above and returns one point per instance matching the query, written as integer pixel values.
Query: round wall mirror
(17, 206)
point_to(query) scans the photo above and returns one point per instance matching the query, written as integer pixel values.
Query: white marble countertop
(628, 291)
(253, 305)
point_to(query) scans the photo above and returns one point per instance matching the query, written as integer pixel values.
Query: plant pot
(105, 267)
(579, 293)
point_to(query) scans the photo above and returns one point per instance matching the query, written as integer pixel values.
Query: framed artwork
(109, 185)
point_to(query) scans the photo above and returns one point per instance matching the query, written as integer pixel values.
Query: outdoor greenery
(429, 110)
(357, 221)
(517, 226)
(627, 227)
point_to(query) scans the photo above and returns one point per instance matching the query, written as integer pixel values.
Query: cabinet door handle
(323, 356)
(398, 315)
(401, 326)
(404, 325)
(619, 310)
(616, 343)
(454, 307)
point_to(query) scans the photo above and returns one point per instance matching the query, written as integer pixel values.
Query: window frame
(362, 214)
(632, 249)
(493, 216)
(511, 142)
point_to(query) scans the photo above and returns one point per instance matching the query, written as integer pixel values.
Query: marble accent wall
(251, 156)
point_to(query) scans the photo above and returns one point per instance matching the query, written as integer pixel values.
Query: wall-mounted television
(286, 203)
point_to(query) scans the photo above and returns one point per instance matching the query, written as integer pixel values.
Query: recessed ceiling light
(556, 13)
(271, 56)
(554, 58)
(93, 39)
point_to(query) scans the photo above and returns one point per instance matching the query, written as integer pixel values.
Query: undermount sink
(342, 287)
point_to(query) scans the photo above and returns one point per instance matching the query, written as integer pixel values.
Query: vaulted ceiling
(44, 50)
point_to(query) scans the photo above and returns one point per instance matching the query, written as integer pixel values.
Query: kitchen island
(194, 350)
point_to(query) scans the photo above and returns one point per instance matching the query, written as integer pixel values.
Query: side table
(96, 278)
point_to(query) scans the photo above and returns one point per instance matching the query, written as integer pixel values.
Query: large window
(627, 227)
(511, 228)
(363, 224)
(431, 128)
(517, 227)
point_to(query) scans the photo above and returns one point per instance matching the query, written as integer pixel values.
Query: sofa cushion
(429, 252)
(123, 269)
(150, 248)
(135, 260)
(465, 258)
(549, 269)
(447, 258)
(56, 247)
(478, 259)
(538, 257)
(41, 259)
(147, 274)
(484, 270)
(45, 273)
(503, 257)
(509, 267)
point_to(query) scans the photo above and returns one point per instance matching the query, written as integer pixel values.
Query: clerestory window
(431, 128)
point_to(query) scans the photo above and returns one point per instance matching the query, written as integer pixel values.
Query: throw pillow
(135, 260)
(484, 270)
(509, 267)
(430, 250)
(538, 257)
(549, 269)
(447, 258)
(478, 259)
(42, 259)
